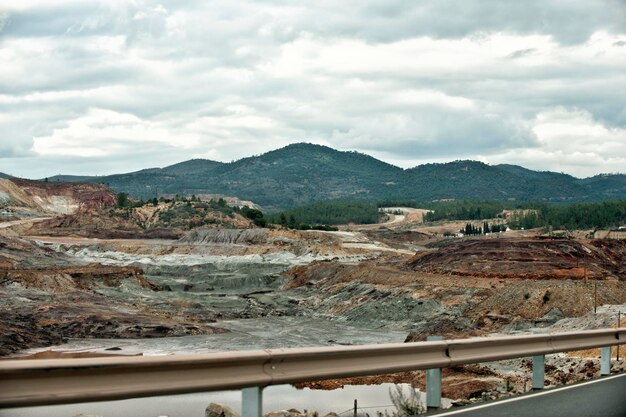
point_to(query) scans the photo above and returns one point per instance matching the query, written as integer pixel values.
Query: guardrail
(61, 381)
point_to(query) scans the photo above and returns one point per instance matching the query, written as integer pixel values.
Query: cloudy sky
(90, 87)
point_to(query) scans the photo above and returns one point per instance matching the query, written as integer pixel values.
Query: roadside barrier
(61, 381)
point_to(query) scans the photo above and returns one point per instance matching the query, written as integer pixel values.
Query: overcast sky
(90, 87)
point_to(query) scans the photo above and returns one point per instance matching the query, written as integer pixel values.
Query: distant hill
(302, 173)
(476, 180)
(3, 175)
(605, 186)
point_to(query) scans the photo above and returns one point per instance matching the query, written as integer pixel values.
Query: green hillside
(303, 173)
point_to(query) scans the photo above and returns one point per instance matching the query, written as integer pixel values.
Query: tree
(122, 199)
(292, 222)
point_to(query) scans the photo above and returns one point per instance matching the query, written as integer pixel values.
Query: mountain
(302, 173)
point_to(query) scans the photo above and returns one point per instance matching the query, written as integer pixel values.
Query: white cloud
(571, 141)
(407, 81)
(108, 133)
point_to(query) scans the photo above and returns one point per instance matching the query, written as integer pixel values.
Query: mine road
(12, 223)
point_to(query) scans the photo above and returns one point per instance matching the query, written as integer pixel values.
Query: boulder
(219, 410)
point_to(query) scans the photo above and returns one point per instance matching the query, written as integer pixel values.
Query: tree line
(328, 213)
(471, 230)
(607, 214)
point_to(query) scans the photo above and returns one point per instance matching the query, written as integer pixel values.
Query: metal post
(252, 402)
(605, 361)
(355, 407)
(433, 382)
(619, 313)
(539, 371)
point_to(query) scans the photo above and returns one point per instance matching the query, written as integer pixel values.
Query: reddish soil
(90, 197)
(527, 259)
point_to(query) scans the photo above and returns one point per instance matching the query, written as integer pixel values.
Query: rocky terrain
(93, 277)
(26, 198)
(46, 297)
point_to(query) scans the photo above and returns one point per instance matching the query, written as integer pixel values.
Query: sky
(100, 87)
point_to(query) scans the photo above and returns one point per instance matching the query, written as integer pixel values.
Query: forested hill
(302, 173)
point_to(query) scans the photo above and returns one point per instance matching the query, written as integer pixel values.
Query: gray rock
(551, 317)
(219, 410)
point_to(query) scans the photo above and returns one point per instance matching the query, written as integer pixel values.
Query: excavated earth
(26, 198)
(56, 285)
(537, 258)
(46, 297)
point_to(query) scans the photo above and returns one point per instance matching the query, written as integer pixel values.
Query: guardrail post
(605, 361)
(433, 382)
(539, 371)
(252, 402)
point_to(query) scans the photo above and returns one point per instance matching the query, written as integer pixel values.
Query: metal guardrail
(61, 381)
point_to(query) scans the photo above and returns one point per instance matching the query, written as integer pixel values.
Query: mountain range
(302, 173)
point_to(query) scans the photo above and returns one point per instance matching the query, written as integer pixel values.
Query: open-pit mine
(79, 277)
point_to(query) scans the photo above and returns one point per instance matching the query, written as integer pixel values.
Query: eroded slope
(527, 258)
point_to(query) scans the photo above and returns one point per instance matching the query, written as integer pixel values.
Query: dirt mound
(72, 278)
(27, 197)
(98, 225)
(141, 220)
(400, 239)
(527, 259)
